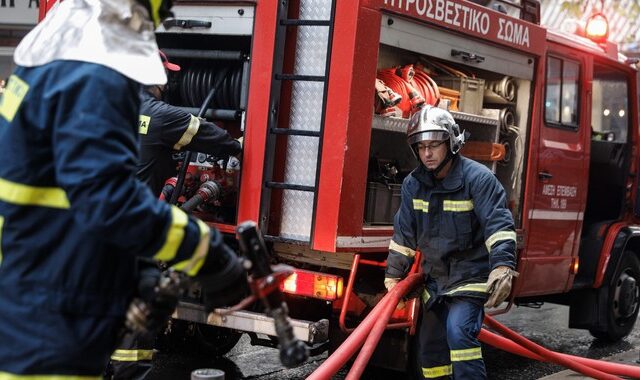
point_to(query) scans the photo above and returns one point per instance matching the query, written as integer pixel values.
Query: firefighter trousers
(448, 343)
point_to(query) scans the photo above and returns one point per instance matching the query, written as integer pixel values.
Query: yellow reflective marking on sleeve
(425, 296)
(155, 11)
(13, 95)
(175, 235)
(132, 355)
(480, 287)
(440, 371)
(466, 354)
(498, 236)
(192, 266)
(143, 124)
(25, 195)
(187, 136)
(1, 225)
(420, 205)
(402, 249)
(457, 206)
(11, 376)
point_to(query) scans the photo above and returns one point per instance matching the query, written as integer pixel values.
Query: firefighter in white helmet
(73, 218)
(453, 210)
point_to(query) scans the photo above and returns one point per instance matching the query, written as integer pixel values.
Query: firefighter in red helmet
(73, 218)
(453, 210)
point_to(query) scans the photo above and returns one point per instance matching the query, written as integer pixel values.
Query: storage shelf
(397, 124)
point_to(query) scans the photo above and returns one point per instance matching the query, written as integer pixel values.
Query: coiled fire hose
(370, 330)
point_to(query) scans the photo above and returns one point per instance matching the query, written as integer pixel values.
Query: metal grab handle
(466, 56)
(545, 175)
(185, 24)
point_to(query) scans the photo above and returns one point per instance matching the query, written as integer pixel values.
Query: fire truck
(321, 91)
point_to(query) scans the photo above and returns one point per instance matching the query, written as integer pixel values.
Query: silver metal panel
(437, 43)
(228, 20)
(307, 331)
(306, 114)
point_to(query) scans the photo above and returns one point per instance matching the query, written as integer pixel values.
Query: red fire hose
(357, 337)
(370, 344)
(372, 327)
(505, 344)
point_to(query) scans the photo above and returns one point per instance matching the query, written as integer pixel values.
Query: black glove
(223, 279)
(156, 300)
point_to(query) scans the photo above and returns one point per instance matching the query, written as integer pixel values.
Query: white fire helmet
(433, 123)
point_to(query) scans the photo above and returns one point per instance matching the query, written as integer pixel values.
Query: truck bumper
(306, 331)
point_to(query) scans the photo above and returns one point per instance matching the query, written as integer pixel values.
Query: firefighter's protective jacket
(461, 226)
(73, 217)
(165, 129)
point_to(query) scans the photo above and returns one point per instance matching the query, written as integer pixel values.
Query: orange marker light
(597, 29)
(305, 283)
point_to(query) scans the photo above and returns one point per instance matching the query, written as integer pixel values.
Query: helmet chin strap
(444, 162)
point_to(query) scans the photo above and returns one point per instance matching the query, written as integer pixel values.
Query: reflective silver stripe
(25, 195)
(466, 354)
(457, 206)
(132, 355)
(420, 205)
(440, 371)
(480, 287)
(192, 129)
(498, 236)
(402, 249)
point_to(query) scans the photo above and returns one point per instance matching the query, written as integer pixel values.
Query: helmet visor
(428, 135)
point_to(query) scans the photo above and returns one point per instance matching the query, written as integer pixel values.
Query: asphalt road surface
(546, 326)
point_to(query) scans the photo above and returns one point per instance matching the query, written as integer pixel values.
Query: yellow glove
(241, 141)
(499, 285)
(389, 283)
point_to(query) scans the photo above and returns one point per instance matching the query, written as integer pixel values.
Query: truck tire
(213, 340)
(622, 300)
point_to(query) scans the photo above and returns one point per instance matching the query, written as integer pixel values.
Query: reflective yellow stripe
(192, 129)
(457, 206)
(425, 296)
(13, 95)
(143, 124)
(155, 11)
(175, 235)
(480, 287)
(466, 354)
(402, 249)
(10, 376)
(193, 265)
(498, 236)
(420, 205)
(25, 195)
(433, 372)
(132, 355)
(1, 224)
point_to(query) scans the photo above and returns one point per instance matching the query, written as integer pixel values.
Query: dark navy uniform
(463, 229)
(165, 129)
(73, 218)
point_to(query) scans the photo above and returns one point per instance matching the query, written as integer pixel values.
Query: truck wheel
(213, 340)
(623, 297)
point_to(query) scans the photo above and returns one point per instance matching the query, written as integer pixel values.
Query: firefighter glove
(222, 277)
(156, 300)
(499, 285)
(389, 283)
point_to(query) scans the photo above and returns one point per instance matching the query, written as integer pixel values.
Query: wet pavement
(546, 326)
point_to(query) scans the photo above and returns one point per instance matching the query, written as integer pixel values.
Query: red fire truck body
(321, 169)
